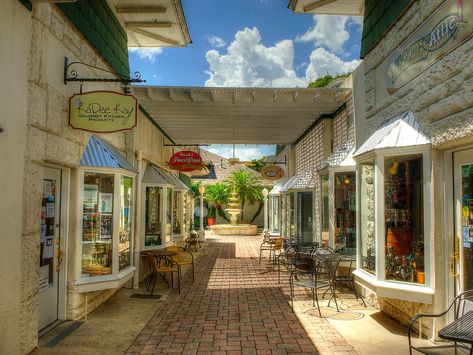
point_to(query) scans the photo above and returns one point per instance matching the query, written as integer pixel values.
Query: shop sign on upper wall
(448, 27)
(272, 172)
(103, 111)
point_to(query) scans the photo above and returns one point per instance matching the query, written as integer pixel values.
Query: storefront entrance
(50, 248)
(463, 243)
(304, 213)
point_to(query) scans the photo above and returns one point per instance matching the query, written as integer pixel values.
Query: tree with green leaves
(217, 196)
(257, 164)
(248, 187)
(323, 81)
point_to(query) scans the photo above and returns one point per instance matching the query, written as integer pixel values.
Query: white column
(265, 213)
(201, 212)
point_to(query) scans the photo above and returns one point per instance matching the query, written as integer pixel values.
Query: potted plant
(211, 216)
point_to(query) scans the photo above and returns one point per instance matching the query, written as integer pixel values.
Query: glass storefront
(275, 215)
(325, 225)
(168, 214)
(98, 215)
(404, 232)
(177, 213)
(304, 216)
(466, 254)
(291, 219)
(367, 217)
(153, 216)
(345, 210)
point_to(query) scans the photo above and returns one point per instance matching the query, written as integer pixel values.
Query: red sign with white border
(186, 160)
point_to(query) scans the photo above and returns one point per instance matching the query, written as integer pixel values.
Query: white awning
(237, 115)
(341, 157)
(277, 189)
(401, 131)
(301, 181)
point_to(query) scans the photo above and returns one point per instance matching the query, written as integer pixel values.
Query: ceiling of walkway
(191, 115)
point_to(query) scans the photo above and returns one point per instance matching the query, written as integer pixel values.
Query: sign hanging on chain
(103, 111)
(272, 172)
(186, 160)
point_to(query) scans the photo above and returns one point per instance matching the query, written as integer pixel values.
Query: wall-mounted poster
(105, 202)
(106, 225)
(90, 196)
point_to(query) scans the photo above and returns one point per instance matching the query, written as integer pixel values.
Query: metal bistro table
(461, 330)
(164, 254)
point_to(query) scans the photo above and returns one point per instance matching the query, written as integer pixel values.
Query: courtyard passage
(236, 306)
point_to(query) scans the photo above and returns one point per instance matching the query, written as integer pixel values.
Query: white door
(50, 240)
(463, 243)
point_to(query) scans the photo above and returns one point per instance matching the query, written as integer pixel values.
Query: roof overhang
(153, 23)
(237, 115)
(328, 7)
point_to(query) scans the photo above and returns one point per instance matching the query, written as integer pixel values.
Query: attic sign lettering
(441, 33)
(186, 160)
(102, 111)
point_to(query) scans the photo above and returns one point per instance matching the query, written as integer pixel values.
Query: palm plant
(248, 188)
(217, 195)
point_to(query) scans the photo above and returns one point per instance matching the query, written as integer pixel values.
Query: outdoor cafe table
(461, 330)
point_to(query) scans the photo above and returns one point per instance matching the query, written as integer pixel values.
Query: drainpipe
(138, 220)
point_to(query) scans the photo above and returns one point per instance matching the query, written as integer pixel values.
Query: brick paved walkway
(235, 306)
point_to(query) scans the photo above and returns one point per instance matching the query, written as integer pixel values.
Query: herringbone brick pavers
(235, 306)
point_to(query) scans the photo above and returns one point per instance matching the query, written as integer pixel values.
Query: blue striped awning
(102, 154)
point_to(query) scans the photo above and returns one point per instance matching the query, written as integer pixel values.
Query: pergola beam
(141, 10)
(153, 24)
(155, 36)
(317, 5)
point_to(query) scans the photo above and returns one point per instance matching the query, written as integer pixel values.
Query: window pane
(325, 212)
(153, 216)
(168, 214)
(304, 213)
(345, 211)
(404, 218)
(126, 219)
(97, 224)
(367, 217)
(292, 210)
(176, 213)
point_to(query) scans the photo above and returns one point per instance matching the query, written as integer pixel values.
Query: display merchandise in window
(367, 217)
(168, 214)
(125, 231)
(153, 216)
(403, 179)
(97, 224)
(345, 211)
(276, 211)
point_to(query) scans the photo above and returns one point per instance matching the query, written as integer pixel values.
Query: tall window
(304, 213)
(177, 212)
(325, 211)
(125, 222)
(345, 210)
(276, 216)
(367, 217)
(168, 214)
(403, 181)
(153, 216)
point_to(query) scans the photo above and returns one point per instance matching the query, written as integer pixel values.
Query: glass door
(304, 213)
(463, 243)
(50, 256)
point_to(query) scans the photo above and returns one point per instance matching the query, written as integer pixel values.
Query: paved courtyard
(236, 306)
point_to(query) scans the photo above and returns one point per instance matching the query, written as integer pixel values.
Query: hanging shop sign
(103, 111)
(186, 160)
(272, 172)
(447, 28)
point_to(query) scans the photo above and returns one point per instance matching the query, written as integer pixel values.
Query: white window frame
(117, 277)
(180, 212)
(378, 283)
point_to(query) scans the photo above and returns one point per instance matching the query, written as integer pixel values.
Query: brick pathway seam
(236, 306)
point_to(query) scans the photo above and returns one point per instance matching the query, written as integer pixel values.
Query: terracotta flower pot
(210, 221)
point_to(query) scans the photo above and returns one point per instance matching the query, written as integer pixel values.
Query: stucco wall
(442, 101)
(15, 19)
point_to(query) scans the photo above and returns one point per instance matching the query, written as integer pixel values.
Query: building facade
(74, 211)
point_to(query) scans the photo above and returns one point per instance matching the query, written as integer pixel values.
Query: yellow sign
(103, 111)
(272, 172)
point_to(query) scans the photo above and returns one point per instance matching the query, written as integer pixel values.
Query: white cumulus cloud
(216, 41)
(329, 31)
(250, 63)
(323, 62)
(147, 53)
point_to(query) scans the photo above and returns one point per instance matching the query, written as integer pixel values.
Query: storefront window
(403, 179)
(283, 216)
(292, 210)
(325, 211)
(345, 211)
(168, 214)
(153, 216)
(304, 213)
(126, 220)
(367, 217)
(276, 214)
(176, 212)
(97, 224)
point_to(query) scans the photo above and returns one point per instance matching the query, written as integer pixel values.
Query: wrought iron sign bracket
(71, 74)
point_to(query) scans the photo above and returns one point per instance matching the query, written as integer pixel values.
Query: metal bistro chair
(183, 257)
(160, 267)
(461, 305)
(272, 245)
(320, 276)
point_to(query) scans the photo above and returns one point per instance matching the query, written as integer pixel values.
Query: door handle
(453, 262)
(59, 258)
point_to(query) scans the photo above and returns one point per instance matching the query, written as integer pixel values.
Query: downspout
(138, 220)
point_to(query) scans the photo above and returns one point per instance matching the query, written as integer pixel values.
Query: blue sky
(258, 43)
